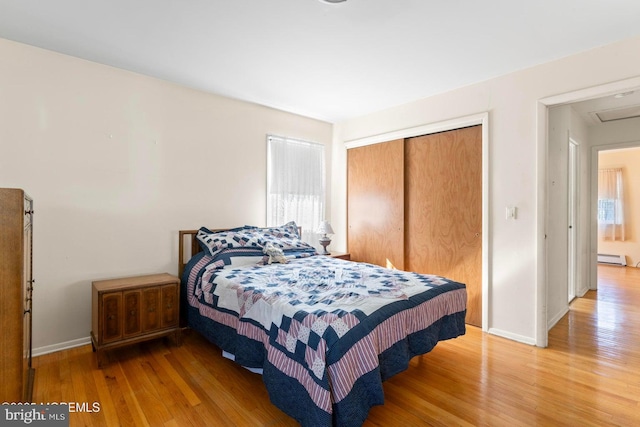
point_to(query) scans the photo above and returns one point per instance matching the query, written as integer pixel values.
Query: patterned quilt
(326, 332)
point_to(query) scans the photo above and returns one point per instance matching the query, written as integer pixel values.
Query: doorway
(554, 270)
(617, 227)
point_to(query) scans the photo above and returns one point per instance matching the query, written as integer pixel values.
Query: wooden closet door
(375, 203)
(443, 202)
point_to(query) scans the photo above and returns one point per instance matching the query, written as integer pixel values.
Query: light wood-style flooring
(588, 376)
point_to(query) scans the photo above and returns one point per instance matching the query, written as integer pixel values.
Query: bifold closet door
(375, 203)
(443, 210)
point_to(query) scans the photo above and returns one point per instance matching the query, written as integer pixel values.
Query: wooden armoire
(415, 204)
(16, 286)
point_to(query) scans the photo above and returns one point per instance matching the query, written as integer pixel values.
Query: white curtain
(296, 184)
(611, 204)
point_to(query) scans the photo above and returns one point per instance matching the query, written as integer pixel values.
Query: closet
(375, 204)
(16, 285)
(416, 204)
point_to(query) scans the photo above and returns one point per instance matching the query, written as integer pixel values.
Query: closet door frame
(457, 123)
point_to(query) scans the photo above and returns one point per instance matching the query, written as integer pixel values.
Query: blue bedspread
(326, 332)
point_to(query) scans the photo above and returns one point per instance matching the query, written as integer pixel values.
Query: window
(606, 211)
(295, 184)
(611, 204)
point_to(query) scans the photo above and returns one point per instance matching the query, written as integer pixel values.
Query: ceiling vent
(618, 114)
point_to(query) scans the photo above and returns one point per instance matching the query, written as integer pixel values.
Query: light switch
(512, 212)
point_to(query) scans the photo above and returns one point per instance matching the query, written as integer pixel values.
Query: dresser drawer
(160, 307)
(170, 306)
(134, 309)
(110, 317)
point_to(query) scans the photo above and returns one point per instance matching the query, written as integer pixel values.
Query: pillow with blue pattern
(214, 242)
(281, 242)
(285, 237)
(288, 230)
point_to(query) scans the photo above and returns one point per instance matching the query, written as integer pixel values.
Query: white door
(573, 223)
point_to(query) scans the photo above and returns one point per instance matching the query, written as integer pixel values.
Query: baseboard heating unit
(612, 259)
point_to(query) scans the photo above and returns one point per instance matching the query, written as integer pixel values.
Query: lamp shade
(325, 228)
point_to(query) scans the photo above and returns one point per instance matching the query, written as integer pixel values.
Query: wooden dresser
(134, 309)
(16, 286)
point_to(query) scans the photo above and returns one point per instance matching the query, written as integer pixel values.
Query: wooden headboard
(187, 246)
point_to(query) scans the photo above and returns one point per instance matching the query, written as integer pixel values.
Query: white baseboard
(60, 346)
(513, 337)
(582, 292)
(552, 322)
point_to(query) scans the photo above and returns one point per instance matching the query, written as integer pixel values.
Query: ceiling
(326, 61)
(619, 106)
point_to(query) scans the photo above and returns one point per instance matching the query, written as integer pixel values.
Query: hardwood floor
(588, 376)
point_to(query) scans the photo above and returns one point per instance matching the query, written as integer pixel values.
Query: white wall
(515, 153)
(557, 228)
(117, 163)
(565, 123)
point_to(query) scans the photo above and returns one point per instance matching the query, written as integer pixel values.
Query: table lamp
(324, 229)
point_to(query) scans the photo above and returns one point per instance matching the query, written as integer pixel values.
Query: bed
(323, 332)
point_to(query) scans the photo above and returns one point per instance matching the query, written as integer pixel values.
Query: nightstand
(133, 309)
(341, 255)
